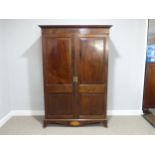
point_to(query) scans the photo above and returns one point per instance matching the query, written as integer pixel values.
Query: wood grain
(75, 52)
(149, 87)
(91, 88)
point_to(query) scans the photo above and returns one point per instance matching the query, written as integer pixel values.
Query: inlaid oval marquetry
(75, 123)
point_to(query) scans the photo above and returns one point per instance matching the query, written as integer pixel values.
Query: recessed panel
(91, 68)
(58, 61)
(92, 104)
(60, 104)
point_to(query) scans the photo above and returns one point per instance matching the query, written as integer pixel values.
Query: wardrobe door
(149, 88)
(58, 75)
(92, 74)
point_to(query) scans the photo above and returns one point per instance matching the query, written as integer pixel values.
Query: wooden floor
(118, 125)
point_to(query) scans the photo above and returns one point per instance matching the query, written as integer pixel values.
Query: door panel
(91, 60)
(93, 88)
(92, 104)
(58, 59)
(59, 68)
(60, 104)
(58, 88)
(92, 77)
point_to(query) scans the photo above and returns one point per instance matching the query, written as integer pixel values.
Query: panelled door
(58, 75)
(92, 76)
(75, 76)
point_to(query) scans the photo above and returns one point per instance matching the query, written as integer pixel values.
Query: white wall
(126, 71)
(151, 29)
(151, 32)
(5, 106)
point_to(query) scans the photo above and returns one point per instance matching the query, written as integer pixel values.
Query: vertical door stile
(106, 52)
(75, 82)
(73, 74)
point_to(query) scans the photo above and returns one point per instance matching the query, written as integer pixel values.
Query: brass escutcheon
(75, 79)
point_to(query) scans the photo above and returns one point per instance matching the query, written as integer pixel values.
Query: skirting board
(27, 112)
(41, 112)
(5, 119)
(110, 112)
(125, 112)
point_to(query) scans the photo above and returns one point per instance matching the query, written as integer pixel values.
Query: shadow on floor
(39, 118)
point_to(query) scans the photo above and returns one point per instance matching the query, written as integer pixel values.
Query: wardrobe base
(75, 122)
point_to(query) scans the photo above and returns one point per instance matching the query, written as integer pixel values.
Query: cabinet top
(75, 26)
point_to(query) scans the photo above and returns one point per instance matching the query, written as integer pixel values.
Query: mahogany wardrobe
(75, 67)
